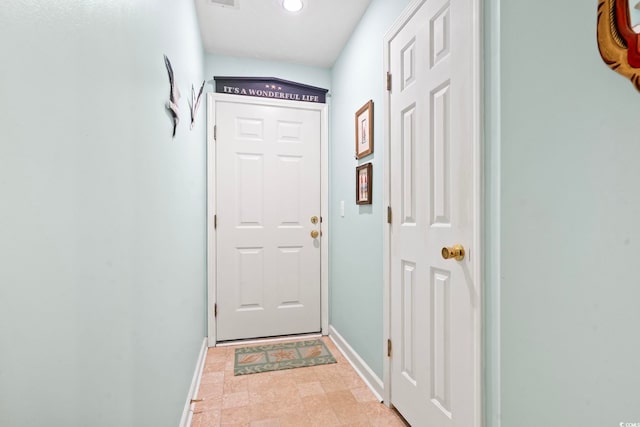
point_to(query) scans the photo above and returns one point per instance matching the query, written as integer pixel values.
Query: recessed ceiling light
(292, 5)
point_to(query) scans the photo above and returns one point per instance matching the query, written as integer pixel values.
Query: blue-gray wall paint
(222, 65)
(102, 218)
(492, 255)
(566, 138)
(355, 251)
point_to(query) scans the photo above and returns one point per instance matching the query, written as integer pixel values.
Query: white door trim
(211, 199)
(478, 196)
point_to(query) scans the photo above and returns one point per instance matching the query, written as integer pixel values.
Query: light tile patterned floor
(318, 396)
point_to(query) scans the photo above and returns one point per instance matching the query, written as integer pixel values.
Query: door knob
(314, 220)
(315, 234)
(456, 252)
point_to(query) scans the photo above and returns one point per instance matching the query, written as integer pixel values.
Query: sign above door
(270, 87)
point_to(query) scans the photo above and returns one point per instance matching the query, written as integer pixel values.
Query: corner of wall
(492, 176)
(358, 363)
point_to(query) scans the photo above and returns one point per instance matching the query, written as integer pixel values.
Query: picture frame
(364, 130)
(364, 184)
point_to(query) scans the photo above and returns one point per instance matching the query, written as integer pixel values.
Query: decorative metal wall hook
(194, 103)
(174, 97)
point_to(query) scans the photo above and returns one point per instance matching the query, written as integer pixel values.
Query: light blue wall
(222, 65)
(492, 197)
(564, 131)
(355, 257)
(102, 214)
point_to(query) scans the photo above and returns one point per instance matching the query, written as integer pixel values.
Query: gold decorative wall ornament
(619, 39)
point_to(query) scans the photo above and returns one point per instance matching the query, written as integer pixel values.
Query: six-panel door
(267, 191)
(434, 302)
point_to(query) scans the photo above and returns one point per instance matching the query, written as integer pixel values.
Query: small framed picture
(363, 184)
(364, 130)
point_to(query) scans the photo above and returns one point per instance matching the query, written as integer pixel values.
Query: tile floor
(322, 396)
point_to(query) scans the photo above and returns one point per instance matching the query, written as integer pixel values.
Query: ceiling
(261, 29)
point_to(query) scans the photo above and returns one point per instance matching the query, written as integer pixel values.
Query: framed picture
(364, 130)
(363, 184)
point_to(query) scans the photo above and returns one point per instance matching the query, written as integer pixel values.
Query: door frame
(478, 198)
(212, 98)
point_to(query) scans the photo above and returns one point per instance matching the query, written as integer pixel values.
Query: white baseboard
(187, 412)
(368, 376)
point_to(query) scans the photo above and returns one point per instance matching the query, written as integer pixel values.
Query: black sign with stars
(269, 87)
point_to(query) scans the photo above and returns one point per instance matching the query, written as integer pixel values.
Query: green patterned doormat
(274, 357)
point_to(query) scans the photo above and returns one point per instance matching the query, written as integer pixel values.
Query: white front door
(267, 202)
(434, 302)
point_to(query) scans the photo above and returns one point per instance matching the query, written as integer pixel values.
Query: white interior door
(435, 302)
(267, 199)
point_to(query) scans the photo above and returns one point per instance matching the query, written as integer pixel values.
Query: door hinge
(215, 310)
(389, 348)
(389, 215)
(215, 222)
(215, 132)
(388, 81)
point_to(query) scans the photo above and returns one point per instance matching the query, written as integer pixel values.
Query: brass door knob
(315, 234)
(456, 252)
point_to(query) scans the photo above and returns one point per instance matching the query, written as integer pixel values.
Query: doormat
(275, 357)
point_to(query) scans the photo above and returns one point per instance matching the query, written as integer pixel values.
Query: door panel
(434, 302)
(268, 188)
